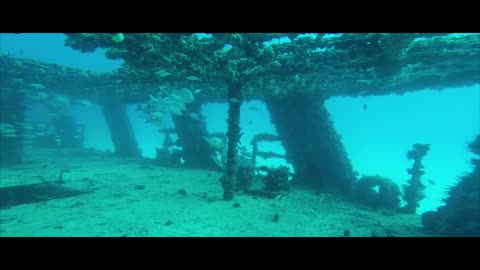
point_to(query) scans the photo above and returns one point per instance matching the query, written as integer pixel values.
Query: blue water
(376, 139)
(50, 48)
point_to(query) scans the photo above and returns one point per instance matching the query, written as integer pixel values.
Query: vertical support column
(233, 136)
(191, 130)
(70, 132)
(311, 143)
(12, 113)
(121, 130)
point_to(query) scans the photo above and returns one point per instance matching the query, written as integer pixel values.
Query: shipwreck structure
(293, 73)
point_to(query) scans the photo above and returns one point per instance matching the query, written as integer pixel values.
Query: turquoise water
(49, 48)
(376, 138)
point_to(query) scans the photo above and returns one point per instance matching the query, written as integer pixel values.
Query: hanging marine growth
(414, 190)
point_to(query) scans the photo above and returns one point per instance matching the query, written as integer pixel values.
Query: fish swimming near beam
(118, 37)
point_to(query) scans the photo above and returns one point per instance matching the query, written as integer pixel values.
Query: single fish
(364, 107)
(8, 130)
(4, 125)
(152, 99)
(194, 116)
(118, 37)
(192, 78)
(163, 73)
(41, 95)
(85, 102)
(62, 99)
(37, 86)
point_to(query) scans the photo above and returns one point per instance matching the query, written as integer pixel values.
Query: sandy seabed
(134, 197)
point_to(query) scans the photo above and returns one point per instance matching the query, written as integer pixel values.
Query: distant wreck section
(11, 132)
(292, 73)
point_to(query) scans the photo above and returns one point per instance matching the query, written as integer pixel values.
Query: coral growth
(377, 192)
(168, 156)
(277, 179)
(245, 175)
(460, 216)
(413, 192)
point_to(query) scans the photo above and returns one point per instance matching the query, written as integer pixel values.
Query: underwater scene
(240, 134)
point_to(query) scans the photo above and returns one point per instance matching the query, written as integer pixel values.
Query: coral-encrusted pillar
(120, 128)
(311, 143)
(233, 135)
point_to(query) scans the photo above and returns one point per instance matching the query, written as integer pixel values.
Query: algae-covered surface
(266, 65)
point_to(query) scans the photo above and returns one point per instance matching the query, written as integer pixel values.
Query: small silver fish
(62, 99)
(86, 102)
(8, 131)
(192, 78)
(3, 125)
(37, 86)
(118, 37)
(163, 73)
(194, 116)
